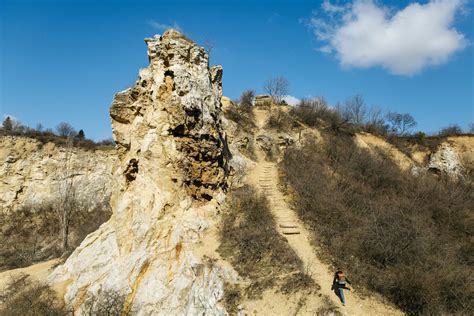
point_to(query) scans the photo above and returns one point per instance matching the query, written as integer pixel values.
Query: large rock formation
(32, 174)
(168, 182)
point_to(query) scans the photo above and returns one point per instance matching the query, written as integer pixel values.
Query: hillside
(207, 206)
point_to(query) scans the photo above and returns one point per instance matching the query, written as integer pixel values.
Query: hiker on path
(340, 283)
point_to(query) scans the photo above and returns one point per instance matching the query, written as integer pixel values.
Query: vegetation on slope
(251, 243)
(242, 111)
(406, 237)
(33, 234)
(65, 135)
(25, 296)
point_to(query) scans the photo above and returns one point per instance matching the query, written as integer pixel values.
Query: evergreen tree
(8, 124)
(81, 135)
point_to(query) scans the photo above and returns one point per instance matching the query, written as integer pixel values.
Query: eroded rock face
(32, 174)
(445, 160)
(263, 100)
(168, 183)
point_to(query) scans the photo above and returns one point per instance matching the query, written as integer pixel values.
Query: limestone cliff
(32, 173)
(453, 156)
(168, 183)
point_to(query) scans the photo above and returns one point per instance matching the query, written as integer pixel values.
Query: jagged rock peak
(177, 97)
(168, 181)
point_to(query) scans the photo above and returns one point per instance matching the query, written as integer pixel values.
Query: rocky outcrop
(32, 174)
(168, 183)
(263, 100)
(445, 160)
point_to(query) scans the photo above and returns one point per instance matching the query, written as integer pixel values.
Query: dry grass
(31, 235)
(280, 120)
(408, 238)
(23, 296)
(250, 241)
(242, 115)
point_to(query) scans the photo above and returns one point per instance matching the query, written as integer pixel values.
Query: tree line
(63, 134)
(353, 113)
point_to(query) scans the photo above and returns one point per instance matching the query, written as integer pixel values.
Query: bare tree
(451, 130)
(400, 123)
(354, 110)
(471, 128)
(65, 130)
(208, 47)
(66, 203)
(375, 122)
(277, 88)
(246, 98)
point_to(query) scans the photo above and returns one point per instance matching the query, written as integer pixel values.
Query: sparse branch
(277, 88)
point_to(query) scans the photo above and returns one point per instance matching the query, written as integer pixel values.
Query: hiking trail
(265, 177)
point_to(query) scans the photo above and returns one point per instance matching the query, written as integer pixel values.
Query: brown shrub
(242, 115)
(107, 303)
(23, 296)
(45, 137)
(232, 298)
(31, 234)
(405, 143)
(405, 237)
(313, 113)
(317, 113)
(280, 120)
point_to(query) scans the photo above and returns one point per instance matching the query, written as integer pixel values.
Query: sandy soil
(39, 272)
(370, 141)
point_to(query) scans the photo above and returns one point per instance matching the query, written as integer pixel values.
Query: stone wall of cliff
(168, 183)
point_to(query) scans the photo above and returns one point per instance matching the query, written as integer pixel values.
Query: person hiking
(340, 283)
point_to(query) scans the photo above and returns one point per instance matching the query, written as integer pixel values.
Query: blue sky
(64, 60)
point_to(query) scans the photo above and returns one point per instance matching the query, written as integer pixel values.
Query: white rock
(170, 170)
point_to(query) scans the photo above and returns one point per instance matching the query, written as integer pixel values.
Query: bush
(107, 303)
(280, 120)
(246, 100)
(64, 139)
(23, 296)
(232, 298)
(451, 130)
(317, 113)
(406, 143)
(405, 237)
(242, 115)
(314, 112)
(31, 235)
(250, 241)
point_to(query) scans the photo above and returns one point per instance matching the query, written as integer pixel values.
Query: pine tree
(81, 135)
(8, 124)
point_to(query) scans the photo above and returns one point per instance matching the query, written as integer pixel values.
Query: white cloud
(163, 27)
(291, 100)
(332, 8)
(365, 34)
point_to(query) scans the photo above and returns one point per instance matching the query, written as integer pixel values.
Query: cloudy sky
(64, 60)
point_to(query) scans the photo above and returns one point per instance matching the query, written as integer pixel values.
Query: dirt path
(39, 272)
(265, 177)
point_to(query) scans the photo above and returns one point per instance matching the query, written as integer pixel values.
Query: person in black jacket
(339, 283)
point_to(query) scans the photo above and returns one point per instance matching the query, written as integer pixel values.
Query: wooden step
(290, 231)
(288, 225)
